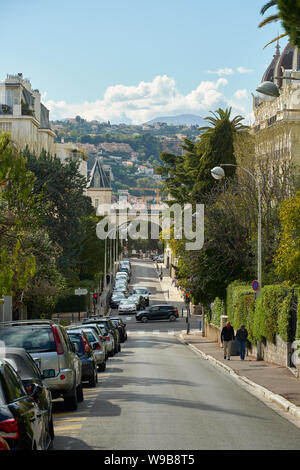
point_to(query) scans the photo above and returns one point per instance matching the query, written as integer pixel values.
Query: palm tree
(271, 19)
(223, 115)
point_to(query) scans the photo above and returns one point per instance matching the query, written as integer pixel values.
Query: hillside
(131, 151)
(182, 119)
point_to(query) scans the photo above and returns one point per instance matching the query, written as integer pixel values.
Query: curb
(278, 400)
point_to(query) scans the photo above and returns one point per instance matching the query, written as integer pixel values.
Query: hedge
(218, 309)
(265, 317)
(72, 303)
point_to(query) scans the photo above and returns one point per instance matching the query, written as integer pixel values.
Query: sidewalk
(274, 383)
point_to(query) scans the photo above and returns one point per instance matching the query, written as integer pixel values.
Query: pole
(105, 262)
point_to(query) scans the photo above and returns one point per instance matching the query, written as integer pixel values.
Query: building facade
(277, 121)
(24, 116)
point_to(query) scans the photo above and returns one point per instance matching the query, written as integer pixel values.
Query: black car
(118, 322)
(158, 312)
(34, 384)
(21, 421)
(85, 353)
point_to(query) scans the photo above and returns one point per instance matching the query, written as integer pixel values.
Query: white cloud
(244, 70)
(241, 94)
(225, 71)
(143, 102)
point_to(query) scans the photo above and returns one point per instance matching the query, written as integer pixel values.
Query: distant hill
(188, 119)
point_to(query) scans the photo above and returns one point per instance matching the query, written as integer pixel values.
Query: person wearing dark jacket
(227, 336)
(241, 336)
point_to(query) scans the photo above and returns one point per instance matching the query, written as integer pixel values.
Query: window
(13, 387)
(32, 339)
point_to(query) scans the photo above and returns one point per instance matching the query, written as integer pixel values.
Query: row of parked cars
(127, 300)
(41, 360)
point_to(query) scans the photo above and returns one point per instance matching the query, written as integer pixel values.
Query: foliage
(19, 215)
(217, 310)
(289, 14)
(287, 257)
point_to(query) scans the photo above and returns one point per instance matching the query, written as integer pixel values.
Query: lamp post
(218, 173)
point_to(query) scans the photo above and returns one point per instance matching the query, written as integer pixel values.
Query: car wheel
(94, 379)
(172, 318)
(102, 367)
(79, 393)
(144, 319)
(71, 403)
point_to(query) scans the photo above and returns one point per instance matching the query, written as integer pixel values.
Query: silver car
(50, 347)
(127, 306)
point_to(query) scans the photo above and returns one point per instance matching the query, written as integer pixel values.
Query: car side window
(67, 339)
(13, 388)
(154, 309)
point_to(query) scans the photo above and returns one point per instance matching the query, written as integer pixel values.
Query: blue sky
(133, 60)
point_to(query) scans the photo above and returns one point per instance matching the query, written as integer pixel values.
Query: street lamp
(218, 173)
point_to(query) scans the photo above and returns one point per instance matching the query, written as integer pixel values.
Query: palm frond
(276, 39)
(269, 19)
(268, 5)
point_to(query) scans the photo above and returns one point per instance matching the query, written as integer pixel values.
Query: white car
(127, 306)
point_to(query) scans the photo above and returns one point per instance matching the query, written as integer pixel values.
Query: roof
(98, 177)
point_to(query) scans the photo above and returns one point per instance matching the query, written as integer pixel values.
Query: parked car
(127, 306)
(50, 347)
(137, 300)
(142, 292)
(21, 421)
(86, 356)
(122, 289)
(96, 344)
(108, 335)
(34, 384)
(112, 329)
(118, 322)
(116, 298)
(158, 312)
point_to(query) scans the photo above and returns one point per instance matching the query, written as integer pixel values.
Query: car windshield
(77, 339)
(30, 338)
(90, 335)
(24, 367)
(140, 291)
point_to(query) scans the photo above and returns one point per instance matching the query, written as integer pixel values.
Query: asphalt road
(157, 394)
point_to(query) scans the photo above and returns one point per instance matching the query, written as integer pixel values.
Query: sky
(134, 60)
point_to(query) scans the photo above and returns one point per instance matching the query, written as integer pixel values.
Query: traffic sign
(255, 285)
(81, 291)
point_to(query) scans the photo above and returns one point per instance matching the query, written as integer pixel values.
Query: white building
(24, 116)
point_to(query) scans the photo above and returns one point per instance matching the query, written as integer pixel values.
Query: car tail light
(9, 429)
(107, 338)
(97, 346)
(58, 343)
(86, 347)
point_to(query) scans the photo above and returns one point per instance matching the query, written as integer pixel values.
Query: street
(157, 394)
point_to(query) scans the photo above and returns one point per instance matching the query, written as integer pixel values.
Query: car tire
(172, 317)
(79, 392)
(144, 319)
(71, 403)
(94, 379)
(102, 367)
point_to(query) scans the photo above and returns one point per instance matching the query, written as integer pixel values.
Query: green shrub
(272, 313)
(218, 309)
(72, 303)
(297, 295)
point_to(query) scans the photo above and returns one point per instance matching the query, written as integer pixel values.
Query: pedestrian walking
(227, 336)
(161, 276)
(241, 337)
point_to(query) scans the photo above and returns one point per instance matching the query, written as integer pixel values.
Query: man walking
(241, 336)
(227, 336)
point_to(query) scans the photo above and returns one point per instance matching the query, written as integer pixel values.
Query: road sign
(255, 285)
(81, 291)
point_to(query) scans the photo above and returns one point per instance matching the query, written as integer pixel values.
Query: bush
(218, 309)
(272, 313)
(72, 303)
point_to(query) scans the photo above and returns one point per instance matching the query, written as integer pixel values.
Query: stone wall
(277, 353)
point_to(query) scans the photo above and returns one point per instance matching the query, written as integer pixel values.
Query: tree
(19, 216)
(64, 204)
(287, 257)
(289, 14)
